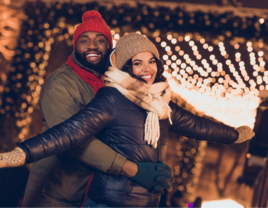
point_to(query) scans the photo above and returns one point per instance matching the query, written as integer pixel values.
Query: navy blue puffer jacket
(120, 124)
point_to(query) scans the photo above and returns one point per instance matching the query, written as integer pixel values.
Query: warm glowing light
(260, 53)
(178, 62)
(174, 73)
(223, 53)
(165, 57)
(238, 55)
(220, 44)
(198, 56)
(194, 48)
(236, 46)
(173, 65)
(212, 57)
(157, 39)
(222, 204)
(250, 49)
(168, 48)
(261, 20)
(187, 38)
(116, 36)
(177, 48)
(163, 44)
(173, 41)
(210, 48)
(202, 40)
(169, 37)
(249, 44)
(232, 109)
(191, 43)
(186, 56)
(174, 57)
(168, 62)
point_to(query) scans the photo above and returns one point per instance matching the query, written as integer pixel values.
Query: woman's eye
(136, 64)
(152, 62)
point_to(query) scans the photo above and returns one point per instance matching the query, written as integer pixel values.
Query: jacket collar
(84, 67)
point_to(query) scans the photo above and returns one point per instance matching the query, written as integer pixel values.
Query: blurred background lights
(222, 204)
(261, 20)
(220, 74)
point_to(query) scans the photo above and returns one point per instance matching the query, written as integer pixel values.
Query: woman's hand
(244, 133)
(14, 158)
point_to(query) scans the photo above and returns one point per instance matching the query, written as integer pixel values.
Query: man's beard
(99, 67)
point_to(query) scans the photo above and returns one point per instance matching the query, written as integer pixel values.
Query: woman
(133, 115)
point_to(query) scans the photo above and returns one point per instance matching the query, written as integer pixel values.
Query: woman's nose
(146, 67)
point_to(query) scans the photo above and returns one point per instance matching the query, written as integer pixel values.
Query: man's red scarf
(87, 76)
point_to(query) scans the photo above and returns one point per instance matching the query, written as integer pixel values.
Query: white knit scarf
(153, 98)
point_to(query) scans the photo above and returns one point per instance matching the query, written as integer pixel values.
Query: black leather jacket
(120, 124)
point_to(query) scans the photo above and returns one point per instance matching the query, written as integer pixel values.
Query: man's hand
(14, 158)
(152, 176)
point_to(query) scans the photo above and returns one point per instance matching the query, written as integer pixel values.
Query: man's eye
(100, 41)
(83, 41)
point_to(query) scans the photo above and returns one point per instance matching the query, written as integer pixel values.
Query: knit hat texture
(93, 21)
(130, 45)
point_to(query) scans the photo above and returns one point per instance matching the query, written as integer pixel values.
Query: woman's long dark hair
(159, 75)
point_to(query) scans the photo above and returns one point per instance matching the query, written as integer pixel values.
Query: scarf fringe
(152, 129)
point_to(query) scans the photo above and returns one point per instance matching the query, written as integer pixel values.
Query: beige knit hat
(130, 45)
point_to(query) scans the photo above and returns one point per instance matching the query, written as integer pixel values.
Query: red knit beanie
(93, 21)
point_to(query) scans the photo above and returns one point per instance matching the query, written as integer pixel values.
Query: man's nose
(92, 45)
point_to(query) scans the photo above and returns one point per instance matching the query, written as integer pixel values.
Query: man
(60, 181)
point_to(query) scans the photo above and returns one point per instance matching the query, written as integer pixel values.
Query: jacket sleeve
(74, 131)
(192, 126)
(57, 105)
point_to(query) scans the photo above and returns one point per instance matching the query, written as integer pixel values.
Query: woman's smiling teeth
(146, 76)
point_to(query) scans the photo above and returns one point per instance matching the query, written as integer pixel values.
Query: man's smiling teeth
(92, 55)
(146, 77)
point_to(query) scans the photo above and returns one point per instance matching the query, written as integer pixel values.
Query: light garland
(231, 102)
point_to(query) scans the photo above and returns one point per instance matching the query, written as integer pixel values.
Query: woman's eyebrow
(137, 60)
(141, 60)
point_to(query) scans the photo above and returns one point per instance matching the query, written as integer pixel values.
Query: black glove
(153, 176)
